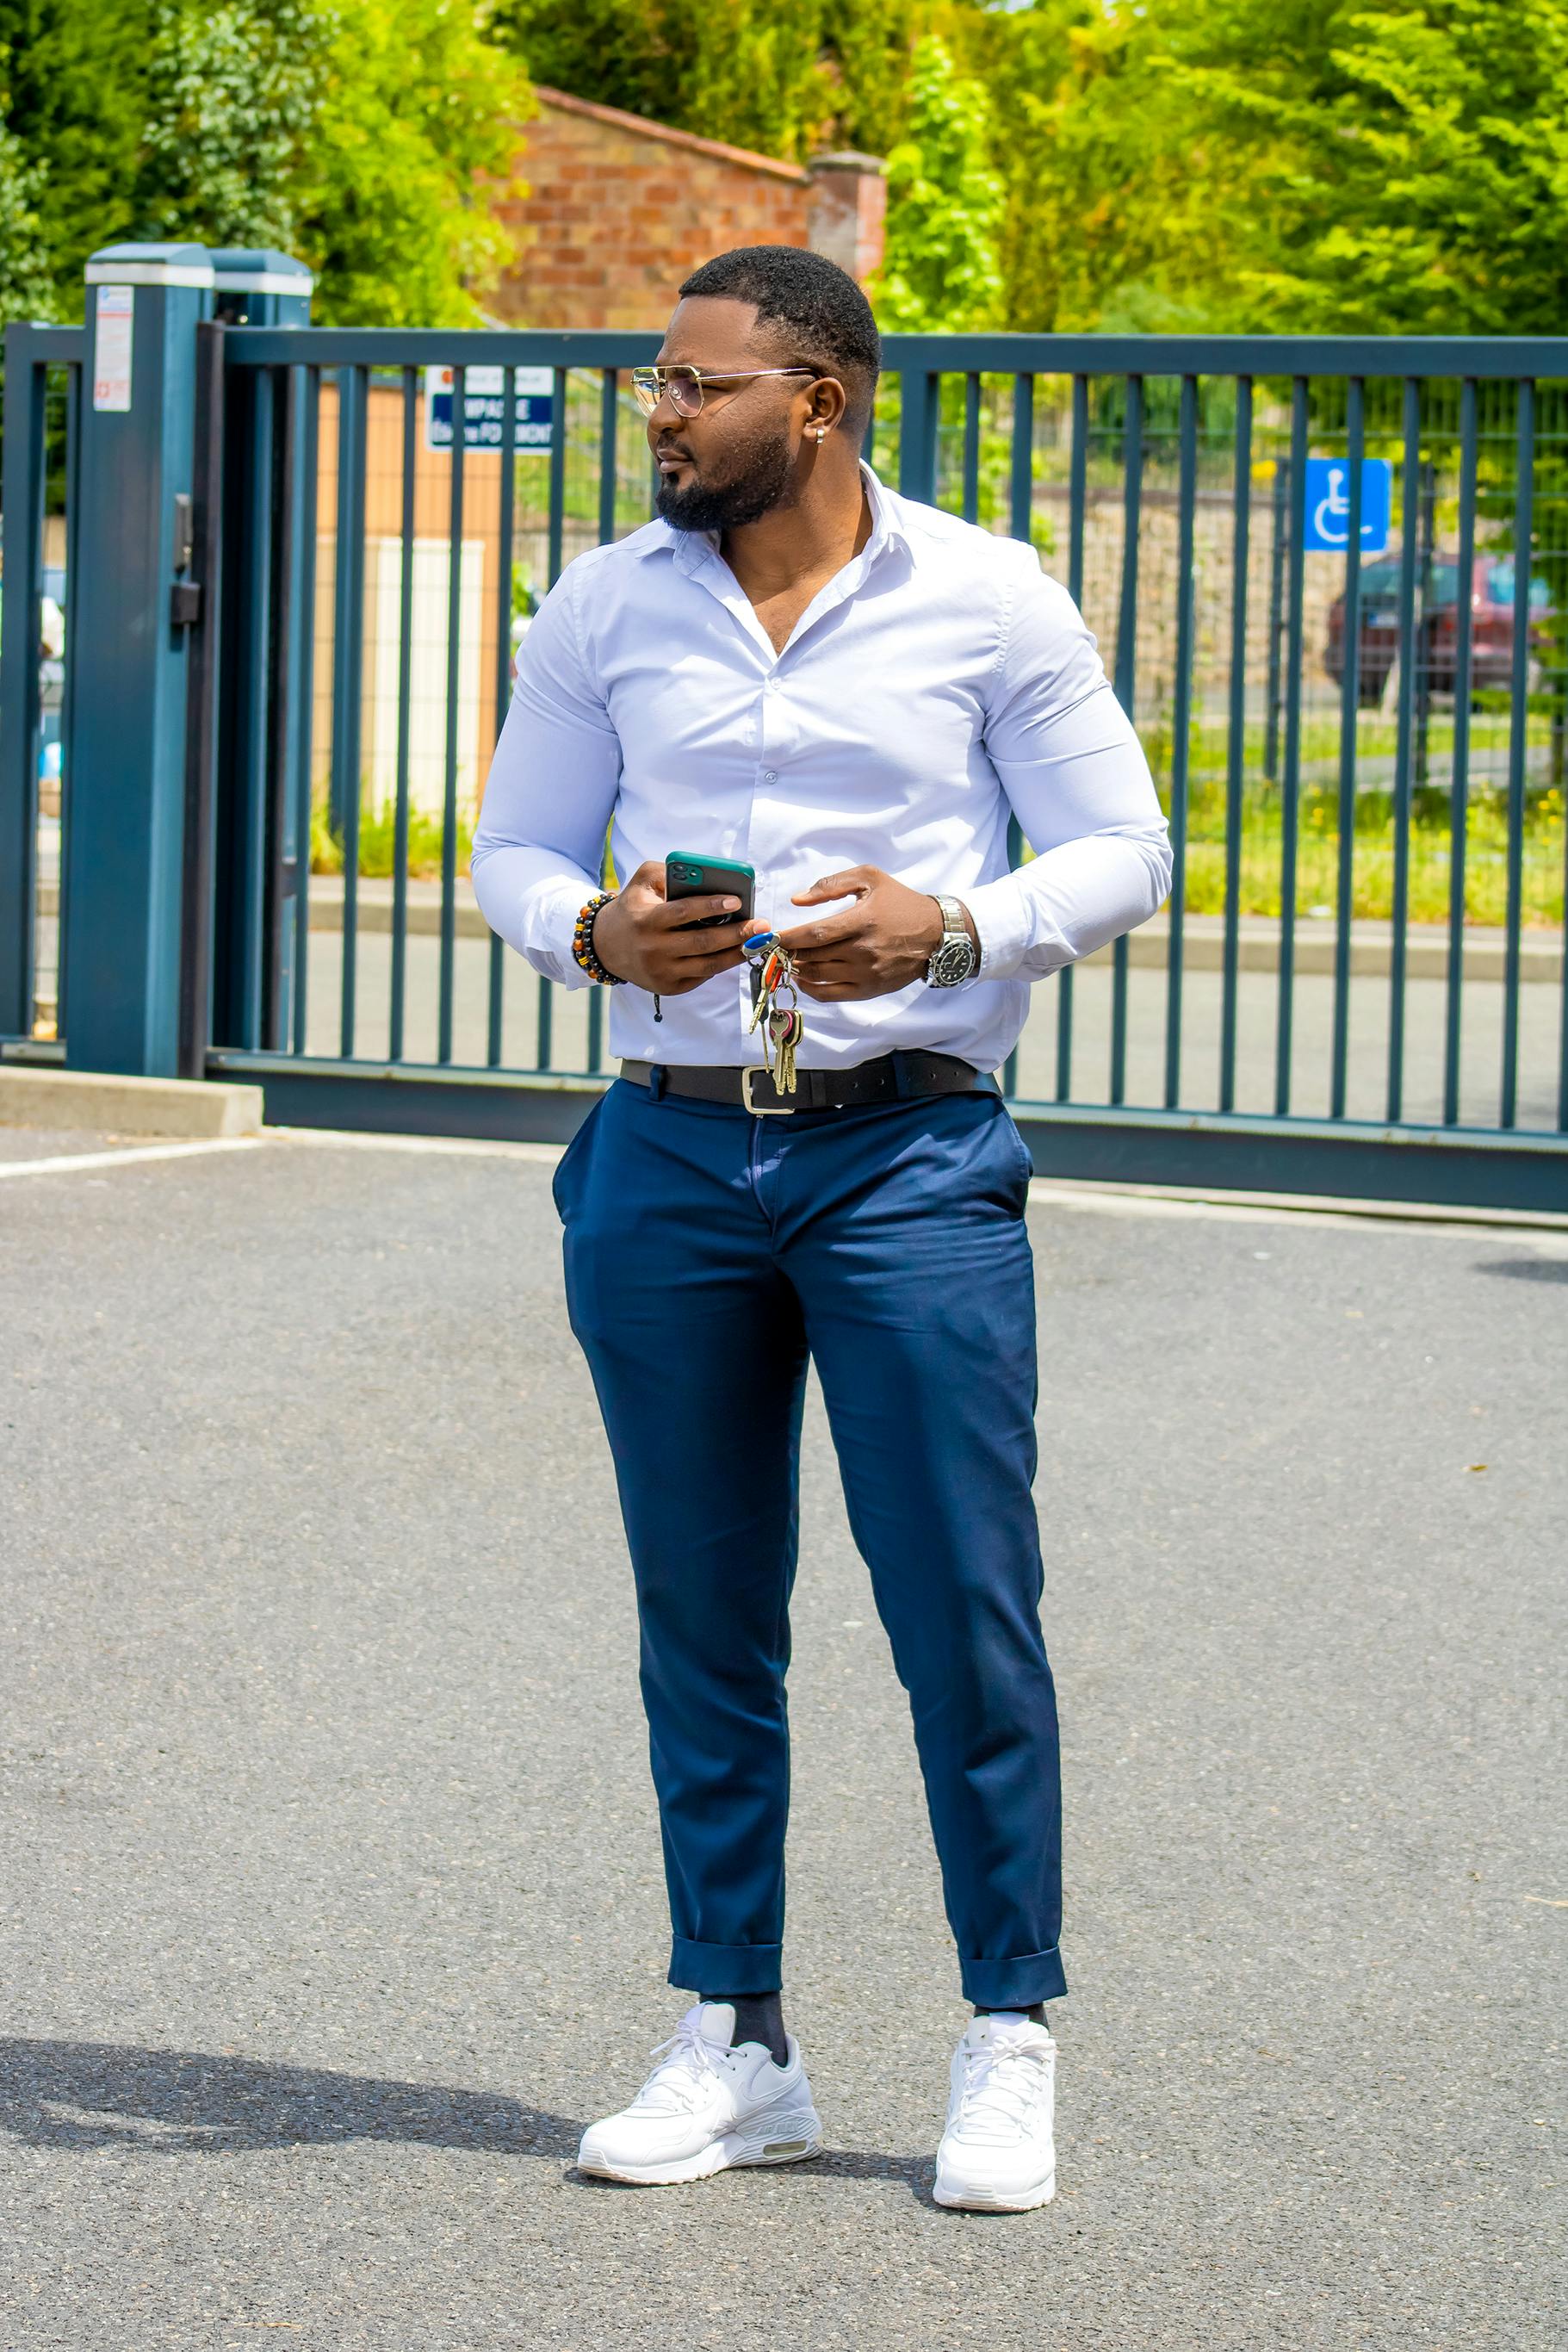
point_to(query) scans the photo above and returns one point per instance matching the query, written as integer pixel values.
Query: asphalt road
(331, 1901)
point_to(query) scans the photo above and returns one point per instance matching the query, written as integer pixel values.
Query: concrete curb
(120, 1106)
(1148, 947)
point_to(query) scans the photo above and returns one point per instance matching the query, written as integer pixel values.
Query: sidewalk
(1540, 953)
(334, 1894)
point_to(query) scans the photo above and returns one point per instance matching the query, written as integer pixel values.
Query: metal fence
(1329, 580)
(41, 451)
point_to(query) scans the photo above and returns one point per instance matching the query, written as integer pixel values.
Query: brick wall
(620, 209)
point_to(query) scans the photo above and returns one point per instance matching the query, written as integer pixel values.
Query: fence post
(1276, 619)
(257, 819)
(20, 727)
(135, 605)
(918, 413)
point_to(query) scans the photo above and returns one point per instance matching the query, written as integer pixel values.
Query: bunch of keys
(783, 1027)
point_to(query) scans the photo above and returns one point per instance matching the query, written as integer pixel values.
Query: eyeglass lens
(684, 390)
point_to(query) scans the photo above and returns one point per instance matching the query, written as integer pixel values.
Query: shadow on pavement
(66, 2094)
(1528, 1269)
(92, 2095)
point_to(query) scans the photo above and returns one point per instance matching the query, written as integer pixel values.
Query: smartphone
(689, 876)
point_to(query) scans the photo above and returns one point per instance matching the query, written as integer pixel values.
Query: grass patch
(1263, 847)
(378, 844)
(1430, 872)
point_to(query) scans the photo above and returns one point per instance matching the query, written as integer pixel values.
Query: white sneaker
(997, 2155)
(706, 2106)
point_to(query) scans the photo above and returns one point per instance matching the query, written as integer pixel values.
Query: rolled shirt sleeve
(539, 846)
(1077, 780)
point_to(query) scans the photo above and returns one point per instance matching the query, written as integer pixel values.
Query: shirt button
(770, 775)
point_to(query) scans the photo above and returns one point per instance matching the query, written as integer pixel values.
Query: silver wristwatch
(957, 958)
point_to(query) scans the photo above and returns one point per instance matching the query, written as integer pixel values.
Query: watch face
(952, 962)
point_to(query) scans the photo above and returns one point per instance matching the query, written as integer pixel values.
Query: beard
(762, 484)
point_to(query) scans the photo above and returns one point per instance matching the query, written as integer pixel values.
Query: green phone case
(689, 875)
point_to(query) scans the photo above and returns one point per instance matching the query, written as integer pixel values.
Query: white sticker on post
(111, 348)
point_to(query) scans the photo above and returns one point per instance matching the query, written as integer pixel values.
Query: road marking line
(1550, 1240)
(68, 1162)
(457, 1146)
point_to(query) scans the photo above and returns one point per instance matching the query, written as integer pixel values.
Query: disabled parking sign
(485, 408)
(1328, 504)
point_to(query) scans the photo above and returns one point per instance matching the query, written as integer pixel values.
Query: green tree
(1406, 162)
(944, 205)
(613, 51)
(76, 83)
(785, 76)
(24, 288)
(232, 95)
(755, 68)
(367, 135)
(867, 50)
(1113, 217)
(1355, 164)
(417, 133)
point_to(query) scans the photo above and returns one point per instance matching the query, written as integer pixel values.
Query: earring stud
(821, 431)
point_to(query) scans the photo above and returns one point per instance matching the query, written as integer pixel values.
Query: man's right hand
(638, 935)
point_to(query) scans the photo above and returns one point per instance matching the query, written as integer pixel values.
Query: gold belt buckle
(762, 1110)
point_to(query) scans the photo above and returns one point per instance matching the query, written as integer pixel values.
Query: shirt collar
(886, 516)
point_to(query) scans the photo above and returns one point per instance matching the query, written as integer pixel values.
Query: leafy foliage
(1392, 165)
(1110, 217)
(785, 76)
(419, 117)
(232, 97)
(75, 77)
(24, 288)
(1406, 162)
(944, 204)
(361, 134)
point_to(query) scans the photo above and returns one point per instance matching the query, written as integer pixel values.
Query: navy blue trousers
(708, 1254)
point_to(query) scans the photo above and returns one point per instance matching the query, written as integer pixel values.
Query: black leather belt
(892, 1077)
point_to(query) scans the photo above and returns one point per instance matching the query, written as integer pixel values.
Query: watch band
(956, 958)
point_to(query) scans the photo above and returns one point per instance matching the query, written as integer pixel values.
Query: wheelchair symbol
(1327, 504)
(1330, 517)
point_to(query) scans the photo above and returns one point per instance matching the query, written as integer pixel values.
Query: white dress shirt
(937, 685)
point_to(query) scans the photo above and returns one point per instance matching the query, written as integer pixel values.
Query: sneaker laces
(685, 2061)
(1003, 2084)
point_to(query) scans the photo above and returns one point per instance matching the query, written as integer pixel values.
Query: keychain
(772, 969)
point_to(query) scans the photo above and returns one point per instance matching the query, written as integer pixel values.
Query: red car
(1436, 637)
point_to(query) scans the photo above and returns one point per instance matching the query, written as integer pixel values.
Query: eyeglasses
(687, 386)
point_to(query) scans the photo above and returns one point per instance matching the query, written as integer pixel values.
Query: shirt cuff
(1004, 925)
(551, 924)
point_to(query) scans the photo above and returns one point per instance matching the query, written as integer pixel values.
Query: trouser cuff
(1017, 1983)
(727, 1968)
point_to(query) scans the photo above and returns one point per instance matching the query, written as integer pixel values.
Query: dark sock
(758, 2017)
(1035, 2012)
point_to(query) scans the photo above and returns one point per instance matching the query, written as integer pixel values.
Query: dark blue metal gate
(1358, 984)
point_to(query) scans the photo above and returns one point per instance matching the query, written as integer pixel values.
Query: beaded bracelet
(582, 943)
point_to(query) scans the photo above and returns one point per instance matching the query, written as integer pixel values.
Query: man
(851, 693)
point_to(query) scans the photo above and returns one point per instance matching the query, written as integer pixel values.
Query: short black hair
(827, 317)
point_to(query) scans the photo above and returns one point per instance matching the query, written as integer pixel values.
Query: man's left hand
(882, 943)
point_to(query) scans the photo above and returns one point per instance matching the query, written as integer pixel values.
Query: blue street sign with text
(1328, 504)
(485, 408)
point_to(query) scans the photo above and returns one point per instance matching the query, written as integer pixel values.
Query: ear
(825, 405)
